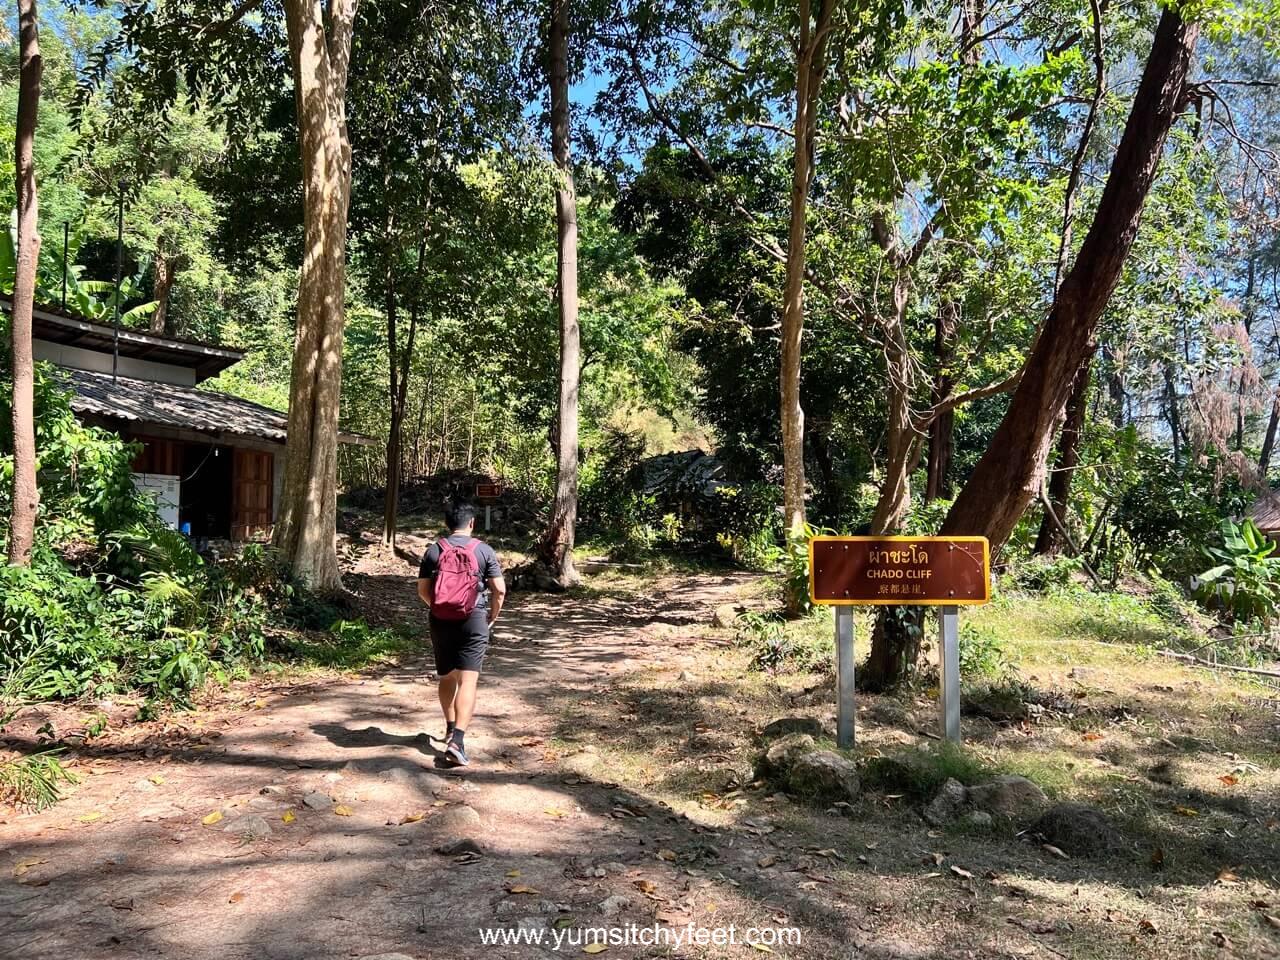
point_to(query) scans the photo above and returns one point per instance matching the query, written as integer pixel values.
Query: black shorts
(460, 644)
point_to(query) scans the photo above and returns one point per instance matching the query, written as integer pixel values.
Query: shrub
(1245, 581)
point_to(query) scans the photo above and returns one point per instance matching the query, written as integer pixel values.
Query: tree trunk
(26, 494)
(942, 430)
(810, 66)
(555, 551)
(1269, 441)
(1049, 540)
(164, 273)
(1171, 411)
(1010, 472)
(306, 529)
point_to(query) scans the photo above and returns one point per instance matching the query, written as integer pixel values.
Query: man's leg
(448, 698)
(464, 702)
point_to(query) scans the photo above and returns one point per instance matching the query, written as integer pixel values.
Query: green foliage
(920, 773)
(778, 645)
(982, 652)
(1244, 582)
(34, 781)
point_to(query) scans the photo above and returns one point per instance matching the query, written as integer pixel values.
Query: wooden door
(251, 481)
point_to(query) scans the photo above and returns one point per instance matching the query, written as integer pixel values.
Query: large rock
(725, 616)
(250, 827)
(1078, 829)
(825, 776)
(776, 761)
(784, 726)
(457, 821)
(947, 805)
(1014, 797)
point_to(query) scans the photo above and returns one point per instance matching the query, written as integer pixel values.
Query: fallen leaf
(1091, 736)
(1058, 852)
(961, 872)
(645, 886)
(22, 866)
(594, 948)
(513, 873)
(554, 812)
(563, 922)
(1225, 876)
(521, 888)
(667, 855)
(1186, 812)
(1229, 779)
(1147, 926)
(90, 817)
(764, 863)
(412, 818)
(122, 903)
(1271, 920)
(1220, 939)
(342, 810)
(156, 779)
(236, 897)
(938, 858)
(288, 816)
(1157, 857)
(212, 818)
(761, 947)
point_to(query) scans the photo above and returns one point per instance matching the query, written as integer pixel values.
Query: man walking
(461, 583)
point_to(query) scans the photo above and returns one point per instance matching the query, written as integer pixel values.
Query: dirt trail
(126, 867)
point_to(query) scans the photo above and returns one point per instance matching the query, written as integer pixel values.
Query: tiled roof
(177, 406)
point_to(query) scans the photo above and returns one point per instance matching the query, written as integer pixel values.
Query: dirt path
(330, 811)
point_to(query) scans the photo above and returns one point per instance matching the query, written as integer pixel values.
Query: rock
(788, 725)
(824, 775)
(725, 616)
(387, 956)
(458, 820)
(460, 846)
(250, 825)
(776, 761)
(585, 764)
(433, 784)
(317, 801)
(612, 906)
(530, 923)
(946, 806)
(1009, 796)
(1078, 829)
(977, 820)
(613, 866)
(274, 790)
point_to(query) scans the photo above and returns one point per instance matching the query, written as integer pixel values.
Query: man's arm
(497, 594)
(425, 592)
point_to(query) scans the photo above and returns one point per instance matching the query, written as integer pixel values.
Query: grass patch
(349, 645)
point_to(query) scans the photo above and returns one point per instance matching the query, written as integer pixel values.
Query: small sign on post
(487, 492)
(946, 572)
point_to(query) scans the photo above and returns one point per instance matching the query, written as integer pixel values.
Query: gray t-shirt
(486, 561)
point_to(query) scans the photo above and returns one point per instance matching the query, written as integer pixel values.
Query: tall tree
(1011, 470)
(320, 49)
(26, 495)
(555, 550)
(811, 55)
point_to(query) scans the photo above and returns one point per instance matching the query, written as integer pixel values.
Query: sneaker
(456, 755)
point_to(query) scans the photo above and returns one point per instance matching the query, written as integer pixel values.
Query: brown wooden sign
(914, 571)
(488, 491)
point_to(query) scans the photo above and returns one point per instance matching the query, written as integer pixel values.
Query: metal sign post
(949, 672)
(846, 708)
(946, 572)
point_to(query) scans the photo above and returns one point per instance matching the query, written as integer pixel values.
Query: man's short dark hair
(459, 513)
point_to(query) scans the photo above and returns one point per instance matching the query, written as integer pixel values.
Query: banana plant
(1245, 579)
(91, 299)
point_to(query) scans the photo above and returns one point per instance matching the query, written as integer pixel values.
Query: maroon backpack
(457, 586)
